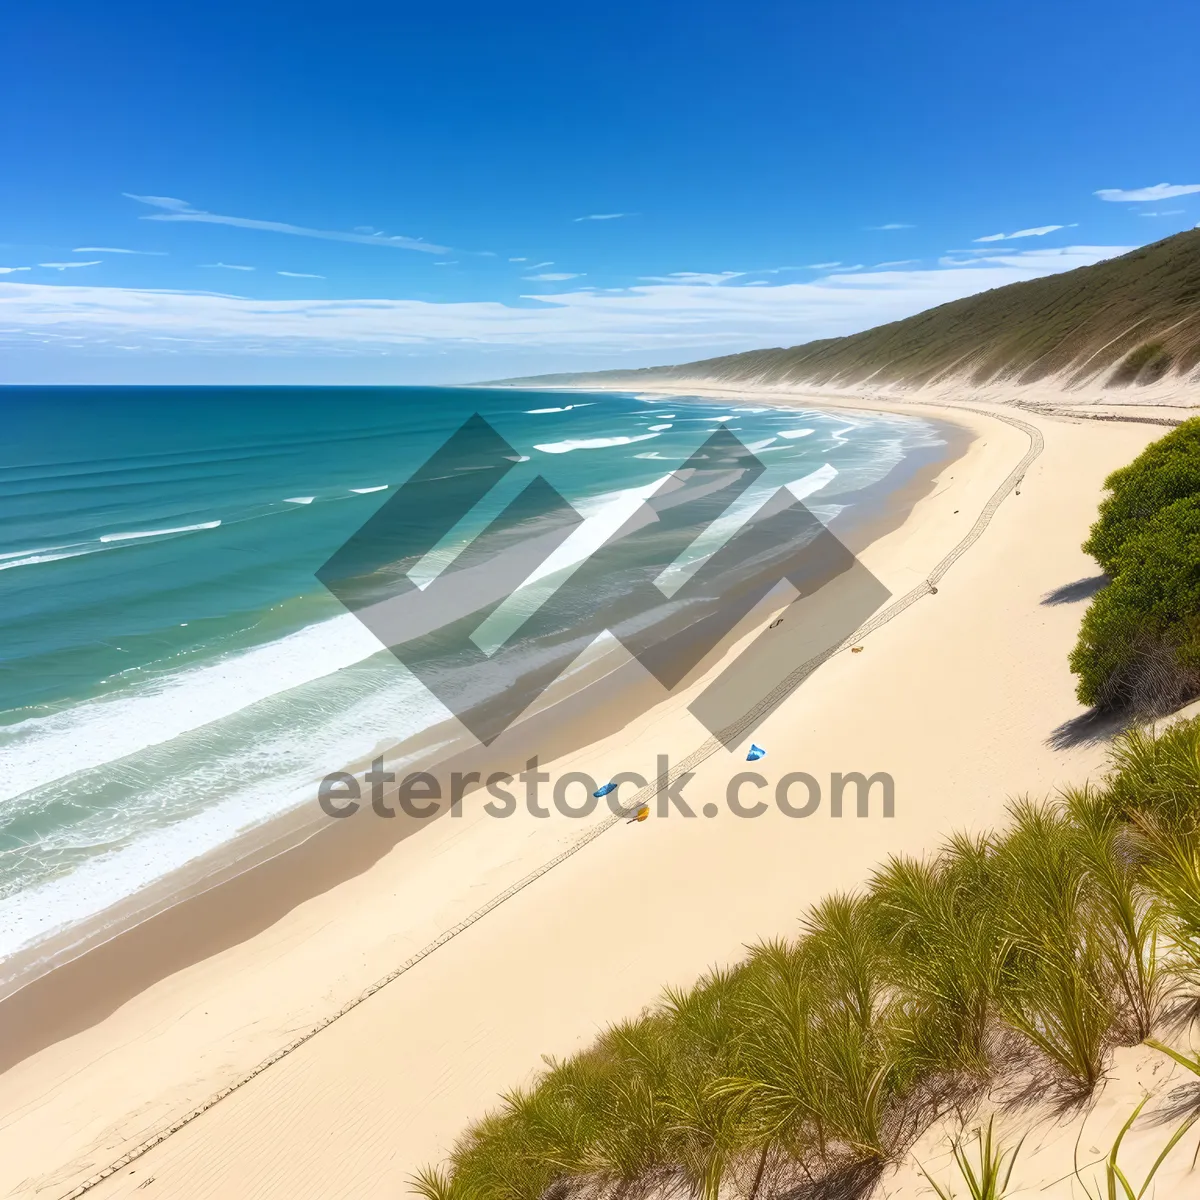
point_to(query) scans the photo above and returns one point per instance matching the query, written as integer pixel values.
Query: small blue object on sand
(608, 787)
(756, 752)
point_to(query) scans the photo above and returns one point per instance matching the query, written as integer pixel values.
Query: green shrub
(1149, 362)
(1166, 471)
(1139, 644)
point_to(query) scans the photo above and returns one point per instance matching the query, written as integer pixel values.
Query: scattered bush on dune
(1147, 364)
(809, 1067)
(1166, 471)
(1139, 643)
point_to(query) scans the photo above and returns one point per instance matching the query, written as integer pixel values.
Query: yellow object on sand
(643, 812)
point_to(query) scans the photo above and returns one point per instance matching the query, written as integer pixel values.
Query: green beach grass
(1006, 964)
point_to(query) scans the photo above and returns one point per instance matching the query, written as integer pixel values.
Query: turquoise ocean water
(172, 673)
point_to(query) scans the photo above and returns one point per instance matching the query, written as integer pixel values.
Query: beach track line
(710, 747)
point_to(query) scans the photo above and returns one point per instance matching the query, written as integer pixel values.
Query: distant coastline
(1118, 337)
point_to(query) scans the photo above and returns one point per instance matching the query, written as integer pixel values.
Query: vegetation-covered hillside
(1124, 322)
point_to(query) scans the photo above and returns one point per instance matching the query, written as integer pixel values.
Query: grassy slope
(1132, 319)
(1007, 965)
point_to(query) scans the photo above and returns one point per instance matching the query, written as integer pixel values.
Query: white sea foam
(149, 533)
(591, 443)
(41, 749)
(566, 408)
(297, 759)
(42, 558)
(298, 499)
(30, 553)
(658, 428)
(800, 488)
(379, 487)
(795, 433)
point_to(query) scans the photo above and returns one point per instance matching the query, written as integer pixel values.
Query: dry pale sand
(1168, 400)
(1051, 1145)
(956, 698)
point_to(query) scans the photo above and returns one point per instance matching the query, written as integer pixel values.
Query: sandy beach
(488, 960)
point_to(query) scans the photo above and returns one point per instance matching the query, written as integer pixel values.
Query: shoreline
(238, 889)
(903, 556)
(1168, 402)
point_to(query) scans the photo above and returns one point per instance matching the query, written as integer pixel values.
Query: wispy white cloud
(890, 225)
(446, 262)
(227, 266)
(823, 266)
(68, 265)
(538, 266)
(603, 216)
(684, 316)
(180, 210)
(117, 250)
(518, 260)
(899, 262)
(709, 278)
(552, 276)
(299, 275)
(1036, 231)
(1159, 191)
(1043, 261)
(10, 270)
(1167, 212)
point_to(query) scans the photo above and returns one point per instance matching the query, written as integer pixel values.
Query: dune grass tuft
(987, 1178)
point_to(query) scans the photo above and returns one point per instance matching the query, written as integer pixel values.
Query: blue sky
(442, 193)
